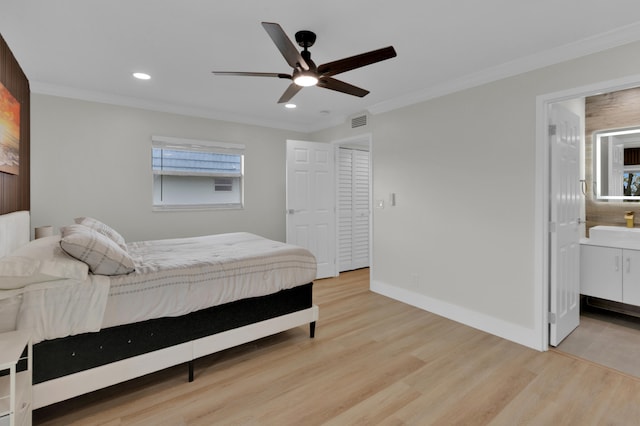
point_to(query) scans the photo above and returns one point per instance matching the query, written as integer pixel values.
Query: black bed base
(68, 355)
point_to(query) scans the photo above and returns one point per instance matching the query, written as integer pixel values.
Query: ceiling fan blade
(284, 44)
(341, 86)
(357, 61)
(253, 74)
(289, 93)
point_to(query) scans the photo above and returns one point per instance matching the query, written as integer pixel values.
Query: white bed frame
(16, 226)
(66, 387)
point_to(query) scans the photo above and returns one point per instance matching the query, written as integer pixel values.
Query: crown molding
(107, 98)
(590, 45)
(584, 47)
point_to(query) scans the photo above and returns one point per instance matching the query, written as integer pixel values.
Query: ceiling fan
(305, 72)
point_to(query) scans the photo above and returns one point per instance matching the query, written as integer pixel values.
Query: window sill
(182, 208)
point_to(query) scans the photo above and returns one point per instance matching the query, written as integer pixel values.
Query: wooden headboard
(15, 229)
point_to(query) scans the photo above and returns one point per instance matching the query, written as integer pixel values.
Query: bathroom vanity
(610, 264)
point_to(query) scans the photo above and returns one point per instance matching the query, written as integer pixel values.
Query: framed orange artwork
(9, 132)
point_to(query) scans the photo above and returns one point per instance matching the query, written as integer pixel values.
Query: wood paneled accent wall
(602, 112)
(15, 189)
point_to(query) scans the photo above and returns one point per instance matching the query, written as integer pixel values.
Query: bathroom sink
(614, 233)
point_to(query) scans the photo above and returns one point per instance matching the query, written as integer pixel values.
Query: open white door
(564, 292)
(311, 216)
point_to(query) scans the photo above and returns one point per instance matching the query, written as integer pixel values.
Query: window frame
(196, 145)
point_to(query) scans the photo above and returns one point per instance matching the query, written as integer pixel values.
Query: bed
(102, 311)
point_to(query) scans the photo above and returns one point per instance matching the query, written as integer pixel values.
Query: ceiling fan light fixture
(141, 76)
(305, 80)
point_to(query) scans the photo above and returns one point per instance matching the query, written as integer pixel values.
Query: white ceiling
(87, 49)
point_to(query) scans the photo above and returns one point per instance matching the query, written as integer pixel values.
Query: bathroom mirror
(616, 164)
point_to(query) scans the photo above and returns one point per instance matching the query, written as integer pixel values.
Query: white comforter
(172, 278)
(177, 276)
(62, 308)
(46, 291)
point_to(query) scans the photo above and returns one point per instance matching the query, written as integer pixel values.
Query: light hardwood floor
(373, 361)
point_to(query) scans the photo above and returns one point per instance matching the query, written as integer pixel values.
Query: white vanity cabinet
(601, 272)
(610, 273)
(631, 277)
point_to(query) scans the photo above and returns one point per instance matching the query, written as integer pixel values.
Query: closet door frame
(362, 141)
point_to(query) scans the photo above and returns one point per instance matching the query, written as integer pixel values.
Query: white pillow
(103, 255)
(103, 229)
(39, 261)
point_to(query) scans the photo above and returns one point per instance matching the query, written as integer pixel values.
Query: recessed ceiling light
(290, 106)
(141, 76)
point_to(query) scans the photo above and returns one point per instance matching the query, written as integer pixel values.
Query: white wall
(460, 241)
(92, 159)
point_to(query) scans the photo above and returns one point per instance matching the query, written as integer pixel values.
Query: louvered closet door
(353, 209)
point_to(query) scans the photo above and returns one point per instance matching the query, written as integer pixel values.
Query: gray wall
(460, 241)
(92, 159)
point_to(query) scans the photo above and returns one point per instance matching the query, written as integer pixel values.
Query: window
(191, 174)
(631, 182)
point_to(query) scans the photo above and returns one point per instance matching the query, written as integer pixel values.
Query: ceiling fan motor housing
(306, 38)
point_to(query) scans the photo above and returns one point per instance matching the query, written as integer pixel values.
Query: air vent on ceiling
(359, 121)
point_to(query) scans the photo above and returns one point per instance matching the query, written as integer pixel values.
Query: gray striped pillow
(100, 253)
(103, 229)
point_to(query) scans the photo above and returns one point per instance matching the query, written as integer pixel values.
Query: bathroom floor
(606, 338)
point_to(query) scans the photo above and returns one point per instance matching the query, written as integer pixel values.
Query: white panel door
(311, 202)
(345, 209)
(353, 209)
(564, 290)
(361, 209)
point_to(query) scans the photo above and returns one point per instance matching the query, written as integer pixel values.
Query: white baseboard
(513, 332)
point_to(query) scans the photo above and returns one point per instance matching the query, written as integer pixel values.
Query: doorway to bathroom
(588, 340)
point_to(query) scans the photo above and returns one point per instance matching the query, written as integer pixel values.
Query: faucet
(628, 215)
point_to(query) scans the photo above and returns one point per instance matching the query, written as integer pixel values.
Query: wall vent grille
(358, 121)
